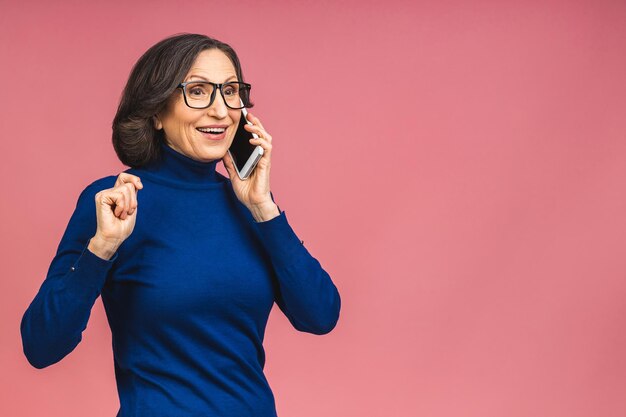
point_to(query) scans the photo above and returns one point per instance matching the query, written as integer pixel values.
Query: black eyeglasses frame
(246, 87)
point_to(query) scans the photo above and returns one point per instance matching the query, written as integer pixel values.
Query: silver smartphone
(244, 154)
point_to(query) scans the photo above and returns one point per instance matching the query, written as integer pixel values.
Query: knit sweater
(187, 295)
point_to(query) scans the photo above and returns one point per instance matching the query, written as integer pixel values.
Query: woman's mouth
(213, 133)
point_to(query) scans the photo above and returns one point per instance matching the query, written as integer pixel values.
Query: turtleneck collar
(180, 170)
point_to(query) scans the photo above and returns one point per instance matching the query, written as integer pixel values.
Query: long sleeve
(307, 296)
(52, 325)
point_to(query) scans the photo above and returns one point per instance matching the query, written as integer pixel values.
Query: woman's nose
(218, 108)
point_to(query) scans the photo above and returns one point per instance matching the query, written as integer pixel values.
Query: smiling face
(180, 122)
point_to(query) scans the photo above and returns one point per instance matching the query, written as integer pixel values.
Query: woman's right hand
(116, 212)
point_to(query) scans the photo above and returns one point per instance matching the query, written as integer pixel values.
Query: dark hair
(152, 81)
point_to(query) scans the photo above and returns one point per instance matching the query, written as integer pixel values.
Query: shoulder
(84, 216)
(94, 187)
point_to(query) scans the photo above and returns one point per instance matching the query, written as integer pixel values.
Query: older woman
(188, 262)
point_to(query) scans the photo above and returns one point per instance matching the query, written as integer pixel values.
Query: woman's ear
(157, 123)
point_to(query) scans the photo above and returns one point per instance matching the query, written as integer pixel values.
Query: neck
(176, 166)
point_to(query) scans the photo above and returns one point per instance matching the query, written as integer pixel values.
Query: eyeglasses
(201, 94)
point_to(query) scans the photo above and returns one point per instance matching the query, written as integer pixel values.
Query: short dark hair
(152, 81)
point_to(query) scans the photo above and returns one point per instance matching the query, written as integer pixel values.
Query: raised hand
(254, 192)
(116, 212)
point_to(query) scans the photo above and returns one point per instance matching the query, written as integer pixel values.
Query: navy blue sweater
(187, 295)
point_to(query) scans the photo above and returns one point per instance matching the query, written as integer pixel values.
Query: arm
(307, 295)
(52, 325)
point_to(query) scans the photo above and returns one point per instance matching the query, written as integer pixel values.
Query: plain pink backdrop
(459, 168)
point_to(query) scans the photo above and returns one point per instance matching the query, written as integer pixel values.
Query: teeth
(212, 130)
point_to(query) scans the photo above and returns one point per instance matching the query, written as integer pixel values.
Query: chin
(220, 155)
(215, 153)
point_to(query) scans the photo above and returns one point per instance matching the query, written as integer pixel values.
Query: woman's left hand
(254, 192)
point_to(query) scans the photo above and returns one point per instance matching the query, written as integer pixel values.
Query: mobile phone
(244, 154)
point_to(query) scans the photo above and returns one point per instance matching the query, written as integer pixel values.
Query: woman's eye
(229, 91)
(196, 91)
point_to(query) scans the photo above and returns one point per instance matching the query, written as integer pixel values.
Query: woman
(188, 280)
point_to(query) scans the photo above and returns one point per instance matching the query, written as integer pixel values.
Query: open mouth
(213, 133)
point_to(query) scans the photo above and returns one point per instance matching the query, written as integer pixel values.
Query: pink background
(459, 168)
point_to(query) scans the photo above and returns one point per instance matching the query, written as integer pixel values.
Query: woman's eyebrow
(202, 78)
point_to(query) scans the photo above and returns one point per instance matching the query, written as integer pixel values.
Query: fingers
(126, 187)
(131, 196)
(128, 199)
(264, 139)
(267, 147)
(255, 120)
(122, 199)
(257, 124)
(125, 177)
(122, 203)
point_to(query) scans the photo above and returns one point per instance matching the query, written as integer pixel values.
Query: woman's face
(180, 122)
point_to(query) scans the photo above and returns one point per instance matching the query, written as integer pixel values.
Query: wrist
(264, 212)
(102, 247)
